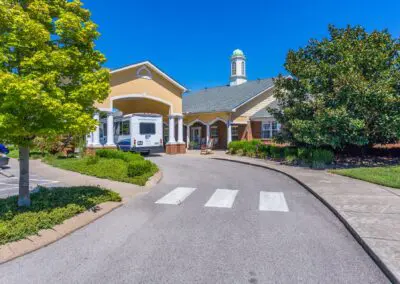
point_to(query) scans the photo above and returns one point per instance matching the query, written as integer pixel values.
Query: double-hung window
(269, 129)
(235, 133)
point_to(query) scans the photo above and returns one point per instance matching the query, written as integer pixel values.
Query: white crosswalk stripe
(222, 198)
(273, 201)
(176, 196)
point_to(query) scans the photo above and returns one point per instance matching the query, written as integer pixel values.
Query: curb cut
(352, 231)
(13, 250)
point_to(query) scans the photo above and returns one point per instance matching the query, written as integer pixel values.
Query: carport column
(171, 137)
(96, 133)
(229, 129)
(188, 136)
(180, 130)
(110, 129)
(208, 133)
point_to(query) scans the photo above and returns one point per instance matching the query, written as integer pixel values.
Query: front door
(196, 135)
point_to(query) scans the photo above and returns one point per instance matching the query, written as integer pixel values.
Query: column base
(176, 148)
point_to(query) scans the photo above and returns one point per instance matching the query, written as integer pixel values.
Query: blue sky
(192, 40)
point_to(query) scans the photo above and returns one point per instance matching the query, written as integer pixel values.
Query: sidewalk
(126, 190)
(371, 212)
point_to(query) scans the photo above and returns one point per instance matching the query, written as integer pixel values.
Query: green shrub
(304, 155)
(321, 158)
(138, 168)
(263, 150)
(91, 160)
(276, 152)
(240, 152)
(290, 154)
(116, 154)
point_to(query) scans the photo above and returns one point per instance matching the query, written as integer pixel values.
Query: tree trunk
(24, 198)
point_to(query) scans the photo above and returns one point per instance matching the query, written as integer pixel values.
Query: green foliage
(387, 176)
(49, 208)
(343, 90)
(276, 152)
(290, 154)
(305, 155)
(50, 73)
(322, 158)
(138, 168)
(109, 164)
(116, 154)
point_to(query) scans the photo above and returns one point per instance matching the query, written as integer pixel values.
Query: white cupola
(238, 68)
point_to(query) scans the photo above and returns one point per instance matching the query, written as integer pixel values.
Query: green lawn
(49, 208)
(387, 176)
(110, 164)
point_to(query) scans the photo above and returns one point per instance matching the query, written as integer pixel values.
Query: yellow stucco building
(232, 112)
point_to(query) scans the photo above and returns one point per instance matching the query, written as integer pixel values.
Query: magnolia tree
(343, 90)
(50, 74)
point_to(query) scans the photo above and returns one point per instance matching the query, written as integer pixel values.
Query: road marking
(222, 198)
(273, 201)
(177, 196)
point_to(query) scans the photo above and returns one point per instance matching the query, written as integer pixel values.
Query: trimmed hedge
(116, 154)
(317, 158)
(138, 168)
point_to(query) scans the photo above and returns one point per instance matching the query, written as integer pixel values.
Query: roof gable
(152, 67)
(224, 98)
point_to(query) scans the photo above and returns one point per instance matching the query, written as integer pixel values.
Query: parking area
(9, 184)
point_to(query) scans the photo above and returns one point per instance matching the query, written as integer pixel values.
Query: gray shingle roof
(263, 113)
(224, 98)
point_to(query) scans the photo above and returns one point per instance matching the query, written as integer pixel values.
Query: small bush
(276, 152)
(290, 154)
(91, 160)
(263, 150)
(115, 154)
(321, 158)
(138, 168)
(304, 155)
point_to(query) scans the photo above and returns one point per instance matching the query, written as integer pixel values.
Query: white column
(229, 130)
(171, 138)
(110, 129)
(180, 130)
(96, 133)
(89, 139)
(187, 136)
(208, 133)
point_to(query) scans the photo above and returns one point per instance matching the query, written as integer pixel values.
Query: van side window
(147, 128)
(124, 128)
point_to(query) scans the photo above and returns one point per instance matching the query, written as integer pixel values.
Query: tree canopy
(50, 73)
(342, 90)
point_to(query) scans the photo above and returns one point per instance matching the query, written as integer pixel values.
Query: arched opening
(197, 134)
(218, 132)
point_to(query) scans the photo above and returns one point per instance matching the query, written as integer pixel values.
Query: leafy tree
(343, 90)
(50, 74)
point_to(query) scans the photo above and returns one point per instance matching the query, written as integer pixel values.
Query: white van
(139, 132)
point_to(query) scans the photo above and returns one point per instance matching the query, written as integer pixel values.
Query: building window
(269, 129)
(233, 68)
(235, 133)
(147, 128)
(243, 68)
(214, 132)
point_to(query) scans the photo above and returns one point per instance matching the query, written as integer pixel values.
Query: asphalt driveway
(208, 221)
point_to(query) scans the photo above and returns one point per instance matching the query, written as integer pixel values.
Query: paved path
(371, 210)
(208, 221)
(9, 183)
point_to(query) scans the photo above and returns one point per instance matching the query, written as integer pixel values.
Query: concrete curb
(389, 274)
(46, 237)
(155, 179)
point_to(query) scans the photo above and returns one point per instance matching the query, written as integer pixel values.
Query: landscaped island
(109, 164)
(49, 207)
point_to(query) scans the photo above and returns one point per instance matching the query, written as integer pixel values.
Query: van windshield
(147, 128)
